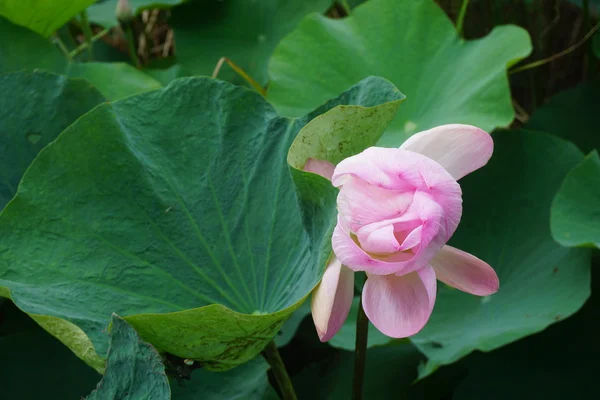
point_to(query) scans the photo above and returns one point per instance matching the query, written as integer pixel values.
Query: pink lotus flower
(397, 208)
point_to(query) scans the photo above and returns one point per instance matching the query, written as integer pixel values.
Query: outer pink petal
(361, 203)
(320, 167)
(460, 149)
(332, 298)
(464, 271)
(391, 168)
(399, 306)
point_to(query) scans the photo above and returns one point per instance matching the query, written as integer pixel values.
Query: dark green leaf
(41, 105)
(575, 218)
(35, 365)
(246, 382)
(244, 31)
(571, 115)
(23, 49)
(390, 370)
(552, 365)
(134, 369)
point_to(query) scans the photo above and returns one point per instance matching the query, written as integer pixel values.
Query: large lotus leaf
(176, 209)
(23, 49)
(244, 31)
(413, 44)
(38, 106)
(246, 382)
(103, 12)
(36, 365)
(506, 222)
(41, 16)
(113, 80)
(134, 369)
(571, 115)
(552, 365)
(575, 217)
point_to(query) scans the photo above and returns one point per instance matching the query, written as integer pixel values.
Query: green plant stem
(238, 70)
(360, 352)
(346, 6)
(131, 45)
(272, 356)
(87, 32)
(588, 58)
(557, 55)
(62, 47)
(461, 17)
(85, 45)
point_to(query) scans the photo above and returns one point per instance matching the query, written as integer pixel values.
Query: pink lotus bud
(123, 12)
(397, 209)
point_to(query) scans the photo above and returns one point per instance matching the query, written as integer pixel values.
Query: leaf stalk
(284, 382)
(360, 353)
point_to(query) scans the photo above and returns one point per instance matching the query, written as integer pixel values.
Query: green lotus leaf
(177, 209)
(245, 31)
(575, 217)
(42, 17)
(571, 115)
(114, 80)
(413, 44)
(23, 49)
(40, 106)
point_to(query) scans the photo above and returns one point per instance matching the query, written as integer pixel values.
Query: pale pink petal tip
(400, 306)
(331, 299)
(320, 167)
(465, 272)
(460, 149)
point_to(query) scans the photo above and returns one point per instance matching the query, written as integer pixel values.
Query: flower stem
(131, 44)
(461, 17)
(61, 46)
(240, 72)
(281, 376)
(87, 33)
(85, 45)
(360, 352)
